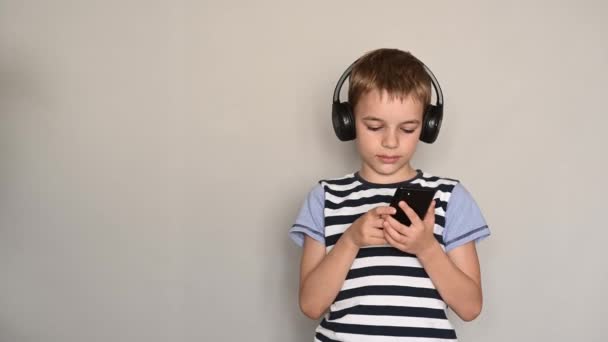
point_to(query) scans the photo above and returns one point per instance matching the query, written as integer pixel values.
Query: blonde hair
(396, 72)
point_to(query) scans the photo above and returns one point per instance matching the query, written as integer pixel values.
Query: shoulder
(347, 179)
(429, 176)
(450, 190)
(429, 180)
(461, 194)
(316, 194)
(341, 186)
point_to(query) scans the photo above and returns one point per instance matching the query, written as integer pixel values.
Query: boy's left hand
(415, 239)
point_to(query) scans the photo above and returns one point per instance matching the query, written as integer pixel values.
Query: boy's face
(387, 136)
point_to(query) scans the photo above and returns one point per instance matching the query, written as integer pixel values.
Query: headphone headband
(348, 71)
(341, 81)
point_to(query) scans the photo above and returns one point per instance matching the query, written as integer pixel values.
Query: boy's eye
(373, 128)
(408, 130)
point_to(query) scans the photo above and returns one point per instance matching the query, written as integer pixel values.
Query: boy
(374, 278)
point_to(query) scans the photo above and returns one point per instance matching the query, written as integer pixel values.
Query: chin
(388, 170)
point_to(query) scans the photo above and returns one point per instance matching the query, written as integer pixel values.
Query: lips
(388, 159)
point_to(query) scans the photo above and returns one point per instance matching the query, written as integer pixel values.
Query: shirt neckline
(388, 185)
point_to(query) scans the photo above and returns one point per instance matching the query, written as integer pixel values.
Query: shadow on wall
(292, 325)
(23, 100)
(301, 328)
(17, 83)
(21, 103)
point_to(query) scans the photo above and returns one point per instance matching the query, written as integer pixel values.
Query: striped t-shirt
(387, 295)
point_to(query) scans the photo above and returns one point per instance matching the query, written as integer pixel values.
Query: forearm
(321, 285)
(461, 293)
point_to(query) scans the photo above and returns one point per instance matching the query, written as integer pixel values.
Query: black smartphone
(417, 199)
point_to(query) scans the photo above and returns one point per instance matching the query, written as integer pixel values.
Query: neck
(403, 174)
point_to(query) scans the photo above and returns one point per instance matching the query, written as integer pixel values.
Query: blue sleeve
(310, 220)
(464, 221)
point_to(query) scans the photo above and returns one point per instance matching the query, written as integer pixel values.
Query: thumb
(429, 218)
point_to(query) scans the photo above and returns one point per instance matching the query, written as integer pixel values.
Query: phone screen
(417, 199)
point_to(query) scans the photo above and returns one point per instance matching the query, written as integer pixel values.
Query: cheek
(360, 128)
(363, 142)
(364, 134)
(410, 143)
(411, 139)
(366, 143)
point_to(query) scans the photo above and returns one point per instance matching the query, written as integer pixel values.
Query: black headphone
(343, 118)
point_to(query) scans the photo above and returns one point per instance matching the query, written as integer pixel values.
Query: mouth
(388, 159)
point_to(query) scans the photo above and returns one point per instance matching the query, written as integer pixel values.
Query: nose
(390, 139)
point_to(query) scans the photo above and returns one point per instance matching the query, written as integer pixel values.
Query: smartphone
(417, 199)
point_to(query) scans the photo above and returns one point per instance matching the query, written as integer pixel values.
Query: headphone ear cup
(343, 121)
(431, 124)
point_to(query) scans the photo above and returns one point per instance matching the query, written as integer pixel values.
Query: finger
(384, 210)
(429, 218)
(431, 208)
(411, 214)
(395, 235)
(397, 226)
(378, 223)
(377, 233)
(394, 243)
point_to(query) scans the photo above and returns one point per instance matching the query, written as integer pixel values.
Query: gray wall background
(153, 155)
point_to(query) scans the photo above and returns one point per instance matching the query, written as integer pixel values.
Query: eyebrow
(373, 118)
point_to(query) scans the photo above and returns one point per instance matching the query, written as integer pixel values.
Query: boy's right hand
(367, 230)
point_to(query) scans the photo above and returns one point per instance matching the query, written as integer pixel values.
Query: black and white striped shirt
(387, 295)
